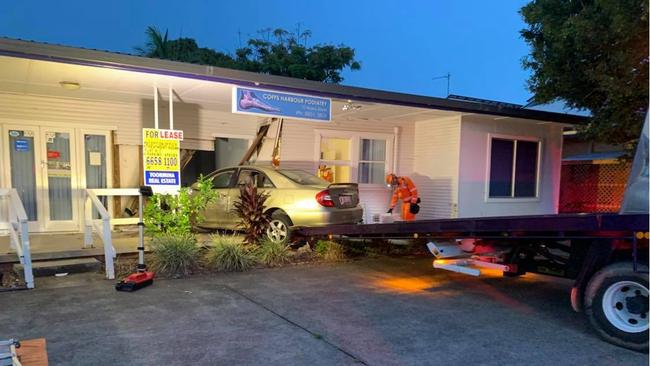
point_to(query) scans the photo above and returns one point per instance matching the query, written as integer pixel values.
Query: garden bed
(175, 251)
(318, 253)
(9, 279)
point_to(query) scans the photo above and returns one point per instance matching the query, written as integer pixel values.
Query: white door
(22, 159)
(50, 166)
(60, 193)
(95, 160)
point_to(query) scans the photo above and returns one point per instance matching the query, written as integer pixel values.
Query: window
(222, 179)
(302, 177)
(353, 157)
(513, 168)
(229, 151)
(335, 153)
(200, 162)
(264, 182)
(372, 161)
(259, 179)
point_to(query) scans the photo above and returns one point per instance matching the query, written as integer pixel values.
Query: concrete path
(374, 312)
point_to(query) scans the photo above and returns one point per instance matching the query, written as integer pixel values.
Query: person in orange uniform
(325, 172)
(404, 190)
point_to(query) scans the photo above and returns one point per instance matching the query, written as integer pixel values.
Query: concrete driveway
(374, 312)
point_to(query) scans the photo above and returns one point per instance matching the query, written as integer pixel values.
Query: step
(64, 254)
(50, 268)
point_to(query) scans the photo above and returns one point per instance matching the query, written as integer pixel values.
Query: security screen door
(21, 149)
(59, 178)
(94, 163)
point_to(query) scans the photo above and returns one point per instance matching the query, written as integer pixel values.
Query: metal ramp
(452, 258)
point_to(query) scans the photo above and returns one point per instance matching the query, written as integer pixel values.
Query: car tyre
(616, 304)
(279, 229)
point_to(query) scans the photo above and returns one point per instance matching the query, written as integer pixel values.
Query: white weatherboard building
(72, 119)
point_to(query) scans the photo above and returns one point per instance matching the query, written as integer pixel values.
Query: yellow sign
(161, 157)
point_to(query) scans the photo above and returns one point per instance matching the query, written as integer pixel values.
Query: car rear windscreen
(303, 178)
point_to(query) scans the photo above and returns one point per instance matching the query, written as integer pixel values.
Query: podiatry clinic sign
(277, 104)
(161, 159)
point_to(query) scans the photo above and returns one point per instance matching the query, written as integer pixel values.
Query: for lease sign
(161, 159)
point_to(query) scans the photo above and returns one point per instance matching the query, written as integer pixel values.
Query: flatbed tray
(537, 226)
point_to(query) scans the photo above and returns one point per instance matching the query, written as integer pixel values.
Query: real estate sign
(161, 159)
(277, 104)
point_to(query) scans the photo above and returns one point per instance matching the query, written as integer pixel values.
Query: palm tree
(157, 45)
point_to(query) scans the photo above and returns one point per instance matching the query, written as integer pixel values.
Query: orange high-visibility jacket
(405, 191)
(326, 174)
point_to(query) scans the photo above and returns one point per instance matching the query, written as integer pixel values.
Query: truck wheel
(616, 304)
(278, 230)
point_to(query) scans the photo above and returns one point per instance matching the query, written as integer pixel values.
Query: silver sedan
(296, 198)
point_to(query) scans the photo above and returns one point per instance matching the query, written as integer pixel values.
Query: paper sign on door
(95, 158)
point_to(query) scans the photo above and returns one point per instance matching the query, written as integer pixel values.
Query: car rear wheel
(279, 228)
(616, 303)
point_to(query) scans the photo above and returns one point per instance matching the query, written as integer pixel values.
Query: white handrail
(19, 232)
(104, 224)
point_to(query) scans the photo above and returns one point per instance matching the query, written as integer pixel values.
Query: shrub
(250, 210)
(273, 253)
(176, 214)
(230, 254)
(174, 255)
(330, 251)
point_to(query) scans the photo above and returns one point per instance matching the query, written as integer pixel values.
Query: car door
(259, 179)
(265, 185)
(216, 213)
(243, 176)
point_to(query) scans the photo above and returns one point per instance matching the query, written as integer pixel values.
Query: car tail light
(324, 198)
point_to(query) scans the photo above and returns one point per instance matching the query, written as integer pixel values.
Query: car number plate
(345, 200)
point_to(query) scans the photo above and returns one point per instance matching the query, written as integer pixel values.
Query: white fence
(104, 224)
(18, 226)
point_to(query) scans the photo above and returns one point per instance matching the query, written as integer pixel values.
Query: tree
(279, 53)
(593, 54)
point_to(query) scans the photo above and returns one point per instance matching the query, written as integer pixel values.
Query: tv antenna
(446, 76)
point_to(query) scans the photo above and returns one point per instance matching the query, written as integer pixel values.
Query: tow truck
(605, 254)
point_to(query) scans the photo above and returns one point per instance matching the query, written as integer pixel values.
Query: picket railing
(104, 225)
(18, 227)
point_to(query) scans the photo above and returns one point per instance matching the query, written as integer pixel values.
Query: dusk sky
(402, 45)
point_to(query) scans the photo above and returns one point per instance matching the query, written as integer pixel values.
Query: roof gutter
(249, 79)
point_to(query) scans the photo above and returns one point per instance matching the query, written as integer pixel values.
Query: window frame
(538, 170)
(355, 138)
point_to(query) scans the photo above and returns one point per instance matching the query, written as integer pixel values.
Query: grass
(230, 254)
(330, 251)
(273, 254)
(174, 255)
